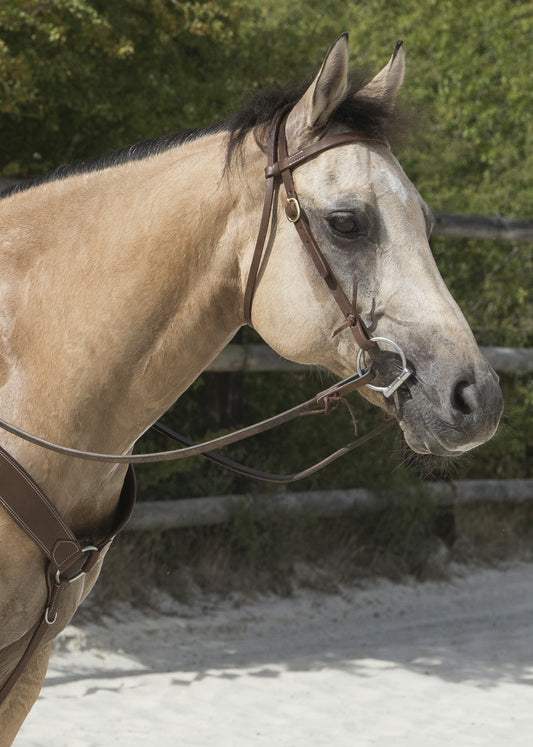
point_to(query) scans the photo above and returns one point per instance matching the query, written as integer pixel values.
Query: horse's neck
(130, 284)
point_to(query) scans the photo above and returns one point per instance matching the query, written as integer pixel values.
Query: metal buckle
(404, 374)
(296, 217)
(59, 580)
(89, 548)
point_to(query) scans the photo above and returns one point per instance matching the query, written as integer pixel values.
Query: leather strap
(310, 151)
(301, 223)
(281, 164)
(265, 216)
(316, 403)
(32, 510)
(69, 558)
(256, 474)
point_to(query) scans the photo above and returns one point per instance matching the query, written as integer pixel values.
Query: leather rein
(69, 557)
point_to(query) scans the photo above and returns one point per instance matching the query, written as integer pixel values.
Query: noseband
(279, 168)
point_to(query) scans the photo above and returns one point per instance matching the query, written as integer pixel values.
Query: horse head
(373, 230)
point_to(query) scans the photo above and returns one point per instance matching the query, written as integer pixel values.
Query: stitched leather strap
(24, 500)
(68, 557)
(301, 223)
(331, 141)
(265, 216)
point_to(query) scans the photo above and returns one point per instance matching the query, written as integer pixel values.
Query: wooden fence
(259, 357)
(483, 227)
(190, 512)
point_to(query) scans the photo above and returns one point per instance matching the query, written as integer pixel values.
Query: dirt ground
(410, 664)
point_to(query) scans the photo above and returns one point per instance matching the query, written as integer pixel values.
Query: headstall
(279, 168)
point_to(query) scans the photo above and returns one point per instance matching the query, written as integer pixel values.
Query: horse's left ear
(310, 115)
(386, 85)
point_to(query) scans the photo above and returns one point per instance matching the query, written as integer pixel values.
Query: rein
(70, 558)
(320, 403)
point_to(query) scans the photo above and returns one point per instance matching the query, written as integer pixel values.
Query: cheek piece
(280, 166)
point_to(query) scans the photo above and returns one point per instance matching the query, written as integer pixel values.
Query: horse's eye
(345, 225)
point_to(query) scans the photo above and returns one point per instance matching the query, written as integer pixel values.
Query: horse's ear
(310, 115)
(385, 86)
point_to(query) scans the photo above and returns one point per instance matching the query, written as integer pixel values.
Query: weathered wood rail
(191, 512)
(259, 357)
(483, 227)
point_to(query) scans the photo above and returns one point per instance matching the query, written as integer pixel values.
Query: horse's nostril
(463, 397)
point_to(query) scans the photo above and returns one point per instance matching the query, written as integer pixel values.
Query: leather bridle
(279, 168)
(68, 557)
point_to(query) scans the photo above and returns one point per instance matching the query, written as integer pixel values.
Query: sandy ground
(448, 663)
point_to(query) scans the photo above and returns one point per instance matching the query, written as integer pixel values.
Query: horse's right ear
(310, 115)
(385, 87)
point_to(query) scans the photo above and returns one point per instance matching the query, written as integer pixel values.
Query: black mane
(355, 112)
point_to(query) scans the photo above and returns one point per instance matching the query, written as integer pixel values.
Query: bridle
(69, 558)
(280, 167)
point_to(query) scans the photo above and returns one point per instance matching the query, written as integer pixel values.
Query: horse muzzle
(450, 424)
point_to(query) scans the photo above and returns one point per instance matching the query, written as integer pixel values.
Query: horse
(123, 277)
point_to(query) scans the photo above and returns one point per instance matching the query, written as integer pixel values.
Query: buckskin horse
(123, 277)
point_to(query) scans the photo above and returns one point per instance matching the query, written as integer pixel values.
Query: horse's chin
(427, 432)
(429, 445)
(424, 433)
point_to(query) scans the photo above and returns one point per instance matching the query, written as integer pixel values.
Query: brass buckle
(293, 218)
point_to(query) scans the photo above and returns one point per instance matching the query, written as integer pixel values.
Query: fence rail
(483, 227)
(191, 512)
(259, 357)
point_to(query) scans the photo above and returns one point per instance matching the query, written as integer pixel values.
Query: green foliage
(81, 77)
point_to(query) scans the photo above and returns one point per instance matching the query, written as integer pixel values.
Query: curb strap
(68, 557)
